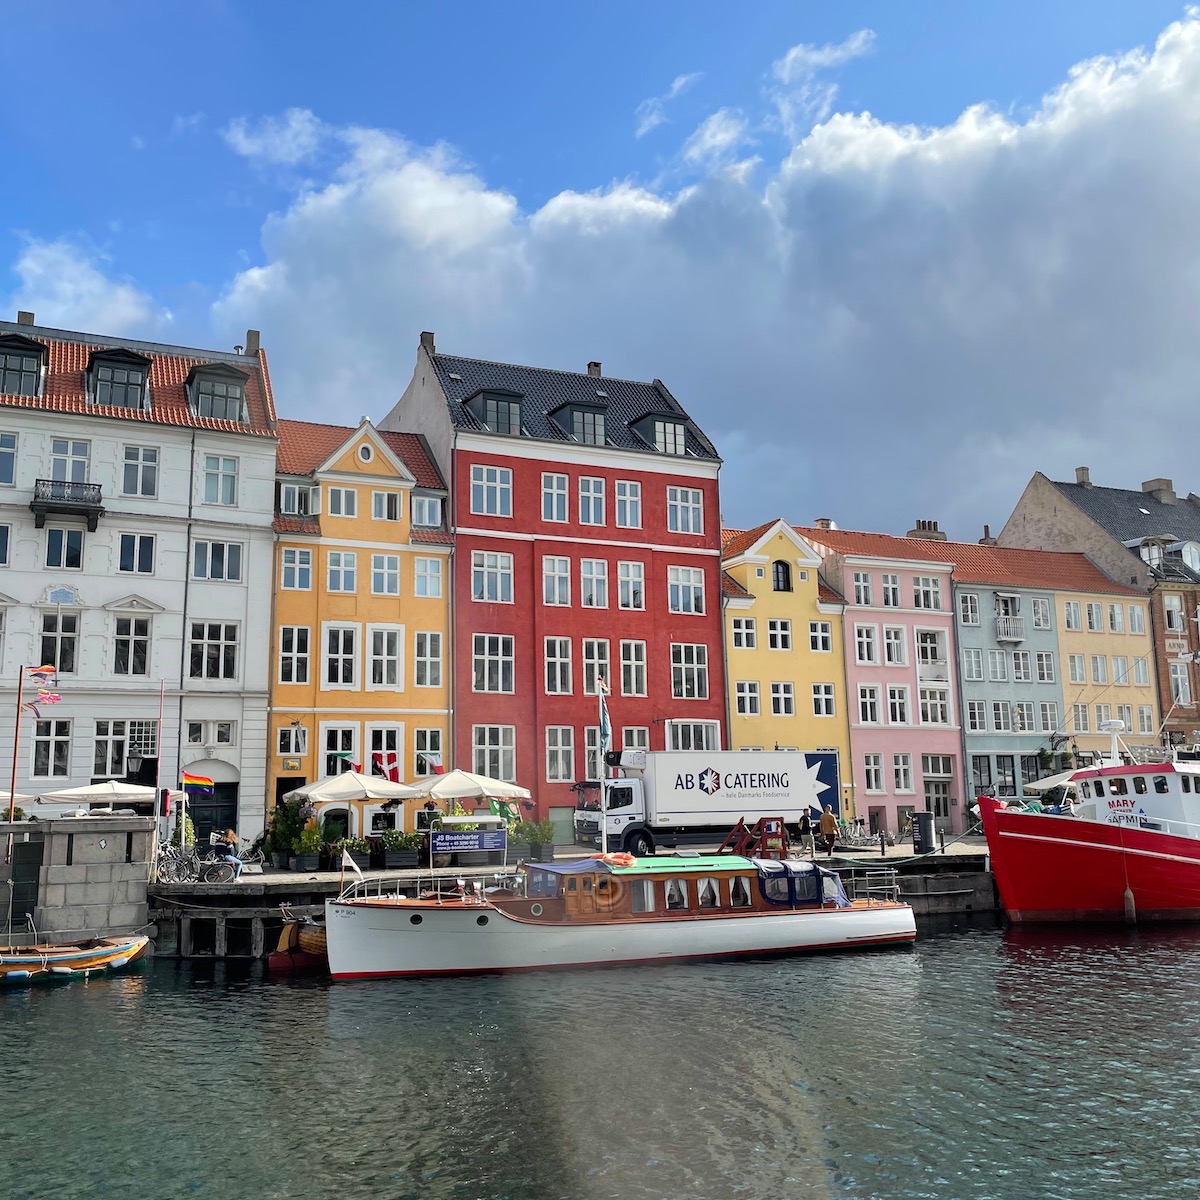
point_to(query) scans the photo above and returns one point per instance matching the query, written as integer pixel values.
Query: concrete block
(76, 893)
(127, 916)
(54, 895)
(66, 874)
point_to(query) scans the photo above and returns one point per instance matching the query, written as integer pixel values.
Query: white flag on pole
(347, 861)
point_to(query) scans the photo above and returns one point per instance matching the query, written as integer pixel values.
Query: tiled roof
(65, 388)
(828, 594)
(738, 541)
(730, 587)
(292, 524)
(625, 401)
(1000, 565)
(305, 445)
(434, 536)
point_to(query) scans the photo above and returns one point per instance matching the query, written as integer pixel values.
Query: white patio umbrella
(463, 785)
(111, 791)
(352, 785)
(1062, 779)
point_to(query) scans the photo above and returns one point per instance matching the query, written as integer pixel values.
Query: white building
(136, 506)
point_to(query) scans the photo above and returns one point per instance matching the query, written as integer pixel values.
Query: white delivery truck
(674, 798)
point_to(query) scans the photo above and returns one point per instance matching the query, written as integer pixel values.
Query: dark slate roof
(625, 401)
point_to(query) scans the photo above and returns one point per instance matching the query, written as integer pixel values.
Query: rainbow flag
(197, 783)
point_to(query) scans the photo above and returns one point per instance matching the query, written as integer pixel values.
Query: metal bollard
(882, 844)
(942, 839)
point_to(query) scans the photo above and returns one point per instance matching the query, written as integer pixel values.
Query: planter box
(394, 860)
(304, 862)
(544, 853)
(520, 853)
(279, 861)
(360, 860)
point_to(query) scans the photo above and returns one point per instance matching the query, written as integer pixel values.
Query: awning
(1062, 779)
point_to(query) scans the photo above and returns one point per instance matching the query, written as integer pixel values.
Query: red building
(587, 546)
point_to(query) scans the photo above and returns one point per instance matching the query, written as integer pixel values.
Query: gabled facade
(587, 548)
(785, 661)
(136, 488)
(361, 631)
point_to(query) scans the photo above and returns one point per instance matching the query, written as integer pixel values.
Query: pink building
(905, 731)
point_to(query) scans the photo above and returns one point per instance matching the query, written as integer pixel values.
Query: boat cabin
(1159, 796)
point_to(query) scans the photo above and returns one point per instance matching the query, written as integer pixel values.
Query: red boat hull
(1060, 868)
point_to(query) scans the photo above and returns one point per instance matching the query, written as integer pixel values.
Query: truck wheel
(640, 846)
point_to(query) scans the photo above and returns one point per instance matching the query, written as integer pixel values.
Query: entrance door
(215, 813)
(937, 801)
(285, 784)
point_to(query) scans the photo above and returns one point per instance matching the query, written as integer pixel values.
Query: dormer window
(21, 362)
(1152, 553)
(498, 409)
(427, 511)
(217, 391)
(297, 500)
(665, 433)
(587, 426)
(119, 379)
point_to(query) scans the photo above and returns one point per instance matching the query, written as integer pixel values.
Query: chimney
(427, 343)
(1083, 477)
(928, 530)
(987, 539)
(824, 523)
(252, 341)
(25, 318)
(1161, 489)
(594, 369)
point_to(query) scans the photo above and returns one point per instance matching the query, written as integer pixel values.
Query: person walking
(807, 840)
(226, 848)
(829, 829)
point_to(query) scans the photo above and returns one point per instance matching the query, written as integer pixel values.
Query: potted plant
(400, 849)
(359, 850)
(542, 840)
(306, 850)
(521, 840)
(284, 827)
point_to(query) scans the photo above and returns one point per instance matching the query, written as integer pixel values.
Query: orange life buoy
(618, 860)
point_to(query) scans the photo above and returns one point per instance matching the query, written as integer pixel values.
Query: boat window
(571, 884)
(775, 888)
(1139, 784)
(1118, 787)
(1099, 787)
(807, 887)
(1186, 781)
(642, 893)
(1160, 784)
(1086, 789)
(542, 883)
(587, 883)
(676, 893)
(707, 895)
(739, 892)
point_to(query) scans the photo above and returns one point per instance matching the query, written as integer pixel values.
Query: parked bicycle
(177, 865)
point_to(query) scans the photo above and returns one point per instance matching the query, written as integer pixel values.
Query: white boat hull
(372, 940)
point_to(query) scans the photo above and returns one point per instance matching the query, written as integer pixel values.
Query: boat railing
(447, 884)
(879, 884)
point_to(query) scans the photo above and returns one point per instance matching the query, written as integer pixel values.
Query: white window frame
(295, 654)
(560, 754)
(385, 574)
(968, 608)
(820, 637)
(631, 585)
(591, 500)
(779, 633)
(593, 583)
(295, 574)
(783, 699)
(342, 571)
(747, 697)
(744, 633)
(597, 664)
(823, 700)
(427, 658)
(556, 673)
(689, 671)
(493, 659)
(555, 497)
(556, 580)
(628, 496)
(343, 502)
(220, 479)
(427, 577)
(685, 591)
(494, 751)
(341, 656)
(633, 668)
(685, 510)
(491, 577)
(491, 491)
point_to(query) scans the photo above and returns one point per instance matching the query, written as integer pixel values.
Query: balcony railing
(1010, 629)
(62, 498)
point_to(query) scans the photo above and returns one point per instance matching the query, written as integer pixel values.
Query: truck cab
(624, 813)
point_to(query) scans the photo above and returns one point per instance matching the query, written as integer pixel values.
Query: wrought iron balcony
(57, 497)
(1010, 629)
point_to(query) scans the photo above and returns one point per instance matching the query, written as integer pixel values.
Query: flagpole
(12, 787)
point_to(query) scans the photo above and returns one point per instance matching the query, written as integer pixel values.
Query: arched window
(781, 576)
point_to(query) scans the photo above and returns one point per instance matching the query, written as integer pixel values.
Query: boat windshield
(798, 882)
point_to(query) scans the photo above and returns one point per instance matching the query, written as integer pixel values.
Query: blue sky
(560, 182)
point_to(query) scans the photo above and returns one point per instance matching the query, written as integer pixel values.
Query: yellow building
(1108, 667)
(361, 630)
(783, 647)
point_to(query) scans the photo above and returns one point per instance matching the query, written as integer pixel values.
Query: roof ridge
(495, 362)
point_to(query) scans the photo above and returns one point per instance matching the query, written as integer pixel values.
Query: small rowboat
(70, 960)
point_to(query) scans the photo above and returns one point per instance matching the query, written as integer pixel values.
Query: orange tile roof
(305, 445)
(738, 541)
(1064, 570)
(730, 587)
(65, 388)
(292, 524)
(828, 594)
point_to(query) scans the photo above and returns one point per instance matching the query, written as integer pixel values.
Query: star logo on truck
(710, 781)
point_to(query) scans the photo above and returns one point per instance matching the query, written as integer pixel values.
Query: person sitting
(226, 848)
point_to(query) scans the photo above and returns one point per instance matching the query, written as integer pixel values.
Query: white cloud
(715, 138)
(284, 140)
(652, 113)
(65, 285)
(884, 323)
(804, 60)
(800, 96)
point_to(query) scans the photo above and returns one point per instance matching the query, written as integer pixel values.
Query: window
(491, 491)
(341, 749)
(493, 663)
(1141, 672)
(558, 666)
(60, 640)
(779, 634)
(1103, 714)
(972, 665)
(427, 750)
(1120, 666)
(689, 671)
(595, 665)
(868, 704)
(593, 583)
(1022, 667)
(997, 666)
(493, 751)
(108, 748)
(386, 506)
(981, 772)
(51, 749)
(1075, 666)
(342, 570)
(1145, 718)
(1181, 688)
(69, 460)
(8, 458)
(341, 656)
(631, 584)
(64, 548)
(554, 498)
(935, 706)
(891, 590)
(820, 636)
(937, 764)
(1045, 666)
(635, 737)
(131, 648)
(977, 716)
(685, 590)
(5, 537)
(343, 502)
(20, 371)
(220, 399)
(902, 772)
(685, 510)
(927, 592)
(783, 699)
(220, 479)
(1125, 715)
(139, 475)
(427, 657)
(968, 608)
(1022, 715)
(1173, 612)
(1079, 718)
(1071, 619)
(1002, 716)
(502, 416)
(1137, 619)
(873, 772)
(1095, 618)
(491, 577)
(1006, 775)
(1116, 618)
(745, 633)
(427, 577)
(781, 576)
(427, 511)
(1049, 715)
(136, 553)
(865, 646)
(591, 501)
(629, 504)
(217, 560)
(1041, 612)
(385, 662)
(556, 580)
(633, 669)
(862, 587)
(297, 570)
(560, 754)
(898, 705)
(1099, 668)
(385, 574)
(670, 437)
(213, 650)
(747, 698)
(894, 653)
(293, 653)
(693, 735)
(822, 697)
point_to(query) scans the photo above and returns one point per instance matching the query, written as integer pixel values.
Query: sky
(892, 258)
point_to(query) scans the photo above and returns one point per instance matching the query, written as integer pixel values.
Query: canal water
(983, 1063)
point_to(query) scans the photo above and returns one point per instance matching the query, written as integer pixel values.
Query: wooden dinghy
(70, 960)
